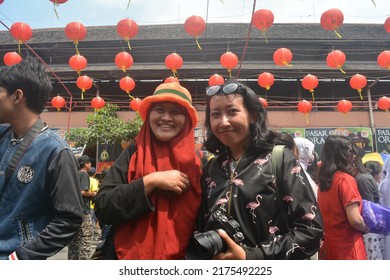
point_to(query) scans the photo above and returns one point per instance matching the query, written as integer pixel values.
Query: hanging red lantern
(384, 103)
(22, 32)
(384, 59)
(84, 83)
(216, 80)
(123, 60)
(310, 82)
(174, 61)
(135, 103)
(127, 29)
(127, 84)
(344, 106)
(78, 62)
(1, 2)
(358, 82)
(336, 59)
(195, 26)
(263, 101)
(229, 60)
(56, 3)
(171, 79)
(97, 103)
(263, 19)
(76, 32)
(305, 107)
(58, 102)
(266, 80)
(332, 20)
(282, 57)
(387, 25)
(11, 58)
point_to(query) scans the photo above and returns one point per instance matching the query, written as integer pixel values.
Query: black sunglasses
(225, 88)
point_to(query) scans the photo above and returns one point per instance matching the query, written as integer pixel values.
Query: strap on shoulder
(277, 162)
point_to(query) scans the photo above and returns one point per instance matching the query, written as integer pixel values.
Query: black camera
(208, 244)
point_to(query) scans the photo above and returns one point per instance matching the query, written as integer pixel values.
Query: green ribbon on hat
(179, 93)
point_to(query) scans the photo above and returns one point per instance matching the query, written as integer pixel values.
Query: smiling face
(230, 121)
(167, 120)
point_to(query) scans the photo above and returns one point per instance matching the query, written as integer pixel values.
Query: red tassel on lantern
(216, 80)
(195, 26)
(358, 82)
(344, 106)
(265, 80)
(76, 32)
(78, 62)
(305, 107)
(84, 83)
(127, 29)
(11, 58)
(97, 103)
(282, 57)
(58, 102)
(310, 82)
(263, 19)
(22, 32)
(229, 60)
(332, 20)
(336, 59)
(174, 61)
(123, 60)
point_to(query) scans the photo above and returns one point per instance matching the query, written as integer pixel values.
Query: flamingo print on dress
(310, 216)
(222, 201)
(210, 185)
(297, 171)
(237, 183)
(288, 199)
(260, 162)
(252, 206)
(272, 229)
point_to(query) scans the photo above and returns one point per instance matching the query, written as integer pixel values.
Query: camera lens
(208, 244)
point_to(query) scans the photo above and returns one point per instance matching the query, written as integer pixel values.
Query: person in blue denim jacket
(40, 197)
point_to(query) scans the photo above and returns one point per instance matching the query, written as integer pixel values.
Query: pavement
(63, 254)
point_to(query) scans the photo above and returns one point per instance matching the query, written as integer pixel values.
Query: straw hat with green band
(170, 92)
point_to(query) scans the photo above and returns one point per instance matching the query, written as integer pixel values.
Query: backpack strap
(277, 164)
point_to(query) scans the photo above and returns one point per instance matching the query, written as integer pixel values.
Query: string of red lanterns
(344, 106)
(332, 20)
(263, 19)
(127, 29)
(195, 26)
(76, 32)
(310, 82)
(305, 107)
(216, 79)
(174, 62)
(22, 32)
(265, 80)
(124, 60)
(97, 103)
(336, 59)
(358, 82)
(282, 57)
(58, 102)
(11, 58)
(78, 62)
(229, 60)
(84, 83)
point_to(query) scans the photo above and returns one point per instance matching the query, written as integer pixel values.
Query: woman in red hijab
(152, 193)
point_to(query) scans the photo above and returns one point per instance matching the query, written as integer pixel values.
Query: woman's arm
(354, 217)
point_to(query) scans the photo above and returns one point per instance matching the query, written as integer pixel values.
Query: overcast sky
(40, 13)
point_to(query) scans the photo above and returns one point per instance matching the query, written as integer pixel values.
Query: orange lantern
(332, 20)
(78, 62)
(387, 25)
(135, 103)
(266, 80)
(195, 26)
(174, 61)
(336, 59)
(56, 3)
(282, 57)
(127, 29)
(216, 80)
(310, 82)
(384, 103)
(22, 32)
(305, 107)
(84, 83)
(384, 59)
(76, 32)
(358, 82)
(127, 84)
(171, 79)
(263, 19)
(264, 102)
(344, 106)
(58, 102)
(229, 60)
(97, 103)
(123, 60)
(11, 58)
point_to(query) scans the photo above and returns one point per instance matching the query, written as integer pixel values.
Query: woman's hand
(234, 251)
(171, 180)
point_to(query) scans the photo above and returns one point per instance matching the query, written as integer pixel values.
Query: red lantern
(336, 59)
(174, 61)
(282, 57)
(84, 83)
(76, 32)
(195, 26)
(332, 20)
(135, 103)
(11, 58)
(266, 80)
(310, 82)
(1, 2)
(384, 59)
(216, 80)
(97, 103)
(384, 103)
(127, 29)
(387, 25)
(78, 62)
(171, 79)
(22, 32)
(263, 19)
(127, 84)
(123, 60)
(358, 82)
(344, 106)
(56, 3)
(229, 60)
(305, 107)
(264, 102)
(58, 102)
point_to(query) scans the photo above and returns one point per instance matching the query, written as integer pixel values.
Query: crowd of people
(263, 194)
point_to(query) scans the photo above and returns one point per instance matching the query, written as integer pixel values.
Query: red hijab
(165, 232)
